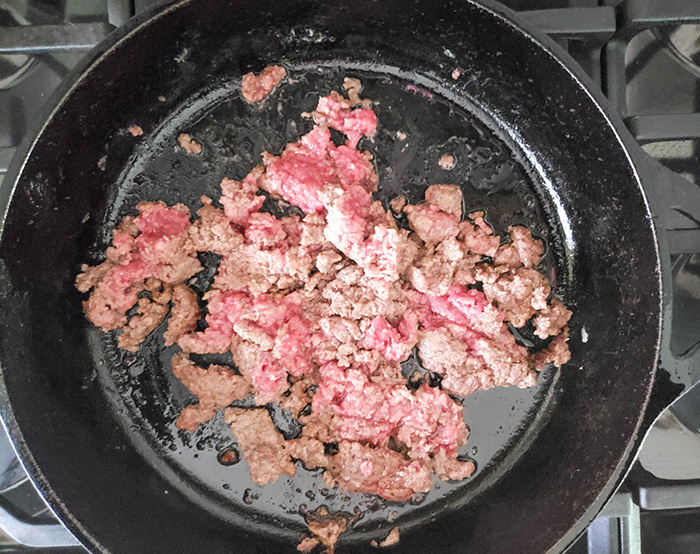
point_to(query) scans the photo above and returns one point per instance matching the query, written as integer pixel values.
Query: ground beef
(394, 343)
(224, 309)
(447, 162)
(360, 300)
(520, 293)
(432, 224)
(449, 468)
(448, 198)
(438, 267)
(371, 406)
(250, 270)
(307, 166)
(266, 333)
(387, 253)
(153, 246)
(262, 445)
(188, 144)
(298, 397)
(215, 387)
(193, 416)
(307, 544)
(336, 112)
(557, 352)
(362, 468)
(464, 338)
(184, 314)
(327, 260)
(310, 451)
(239, 198)
(213, 231)
(353, 87)
(477, 237)
(326, 528)
(398, 204)
(522, 249)
(90, 276)
(255, 88)
(318, 310)
(150, 313)
(551, 319)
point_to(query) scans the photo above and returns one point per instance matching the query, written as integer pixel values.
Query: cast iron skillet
(94, 426)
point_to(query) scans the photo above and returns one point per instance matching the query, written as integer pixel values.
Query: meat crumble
(325, 529)
(188, 144)
(255, 88)
(319, 311)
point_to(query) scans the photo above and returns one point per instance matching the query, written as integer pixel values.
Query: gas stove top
(643, 54)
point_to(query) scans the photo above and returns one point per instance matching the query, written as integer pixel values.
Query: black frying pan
(94, 425)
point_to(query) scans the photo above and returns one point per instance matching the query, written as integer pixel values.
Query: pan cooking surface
(416, 127)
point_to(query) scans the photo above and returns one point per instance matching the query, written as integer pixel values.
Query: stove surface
(644, 54)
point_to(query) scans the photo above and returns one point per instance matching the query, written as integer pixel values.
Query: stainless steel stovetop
(644, 54)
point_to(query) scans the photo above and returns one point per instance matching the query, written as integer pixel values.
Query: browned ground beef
(319, 311)
(215, 387)
(184, 314)
(261, 443)
(325, 529)
(188, 144)
(362, 468)
(148, 316)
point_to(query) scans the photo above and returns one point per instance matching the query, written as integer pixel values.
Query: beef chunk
(215, 387)
(353, 87)
(336, 112)
(184, 314)
(151, 245)
(310, 451)
(298, 397)
(240, 198)
(255, 88)
(377, 470)
(450, 468)
(193, 416)
(148, 316)
(557, 352)
(390, 540)
(520, 293)
(447, 198)
(262, 445)
(523, 249)
(213, 231)
(326, 528)
(430, 223)
(188, 144)
(551, 319)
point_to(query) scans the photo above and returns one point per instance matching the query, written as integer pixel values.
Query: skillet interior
(234, 134)
(102, 445)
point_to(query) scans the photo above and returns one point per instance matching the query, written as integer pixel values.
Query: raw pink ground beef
(319, 310)
(336, 112)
